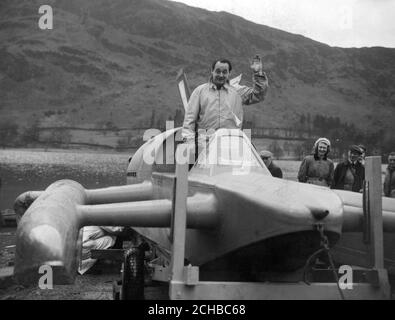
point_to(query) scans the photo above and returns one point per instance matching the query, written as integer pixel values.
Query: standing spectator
(350, 174)
(318, 168)
(362, 157)
(389, 180)
(266, 157)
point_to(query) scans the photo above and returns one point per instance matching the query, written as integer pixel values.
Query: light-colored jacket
(315, 171)
(211, 109)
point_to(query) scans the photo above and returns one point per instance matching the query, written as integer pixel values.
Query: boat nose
(319, 214)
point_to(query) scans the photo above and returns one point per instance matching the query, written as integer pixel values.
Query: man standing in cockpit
(217, 104)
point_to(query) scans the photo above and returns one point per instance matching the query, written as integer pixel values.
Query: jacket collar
(226, 86)
(316, 157)
(356, 163)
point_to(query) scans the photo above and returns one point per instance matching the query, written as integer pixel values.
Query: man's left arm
(258, 91)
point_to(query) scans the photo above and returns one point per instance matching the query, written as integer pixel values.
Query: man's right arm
(386, 186)
(302, 174)
(191, 115)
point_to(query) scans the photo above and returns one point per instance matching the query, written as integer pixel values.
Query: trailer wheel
(133, 274)
(116, 289)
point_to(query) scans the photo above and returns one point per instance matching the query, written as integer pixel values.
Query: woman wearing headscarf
(317, 168)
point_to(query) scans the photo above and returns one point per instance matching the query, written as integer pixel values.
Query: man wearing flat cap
(266, 157)
(350, 174)
(389, 181)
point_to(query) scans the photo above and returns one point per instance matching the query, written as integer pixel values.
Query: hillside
(114, 63)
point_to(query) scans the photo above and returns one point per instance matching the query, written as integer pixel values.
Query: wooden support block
(376, 245)
(179, 221)
(191, 275)
(6, 277)
(161, 274)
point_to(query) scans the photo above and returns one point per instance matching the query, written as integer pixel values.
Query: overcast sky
(343, 23)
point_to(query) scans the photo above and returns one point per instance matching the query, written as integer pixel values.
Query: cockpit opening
(229, 150)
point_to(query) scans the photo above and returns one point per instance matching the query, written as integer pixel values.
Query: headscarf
(323, 140)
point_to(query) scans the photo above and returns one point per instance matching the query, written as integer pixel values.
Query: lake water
(25, 170)
(31, 170)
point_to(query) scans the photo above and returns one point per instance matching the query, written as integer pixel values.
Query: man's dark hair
(222, 61)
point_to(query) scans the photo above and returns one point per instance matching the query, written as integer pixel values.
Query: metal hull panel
(252, 208)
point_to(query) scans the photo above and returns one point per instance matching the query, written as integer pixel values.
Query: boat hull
(258, 226)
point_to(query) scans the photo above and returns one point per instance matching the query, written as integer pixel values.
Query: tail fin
(183, 88)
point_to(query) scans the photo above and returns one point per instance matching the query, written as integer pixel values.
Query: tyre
(116, 290)
(133, 274)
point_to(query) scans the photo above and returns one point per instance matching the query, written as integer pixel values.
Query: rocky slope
(116, 61)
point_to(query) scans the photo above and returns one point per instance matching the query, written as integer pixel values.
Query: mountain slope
(115, 61)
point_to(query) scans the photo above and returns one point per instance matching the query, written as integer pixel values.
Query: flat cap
(324, 140)
(355, 149)
(266, 154)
